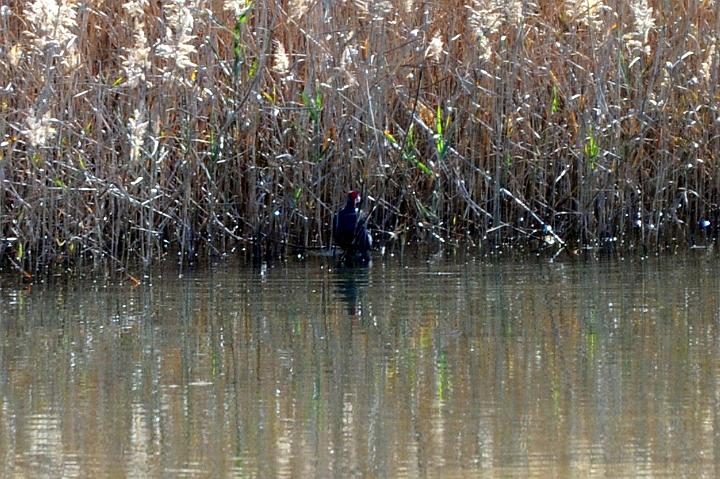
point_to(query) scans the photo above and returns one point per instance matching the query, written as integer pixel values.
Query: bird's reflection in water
(350, 286)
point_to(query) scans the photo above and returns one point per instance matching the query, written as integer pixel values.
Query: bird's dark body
(351, 234)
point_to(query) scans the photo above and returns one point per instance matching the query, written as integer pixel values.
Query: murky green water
(521, 369)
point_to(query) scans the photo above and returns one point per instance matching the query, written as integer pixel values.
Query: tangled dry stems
(130, 130)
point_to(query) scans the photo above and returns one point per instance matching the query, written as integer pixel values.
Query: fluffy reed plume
(586, 12)
(137, 129)
(137, 60)
(135, 8)
(53, 23)
(281, 61)
(644, 22)
(177, 45)
(39, 130)
(514, 11)
(435, 48)
(485, 19)
(15, 54)
(708, 62)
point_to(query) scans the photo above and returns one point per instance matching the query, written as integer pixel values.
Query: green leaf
(423, 167)
(389, 137)
(243, 16)
(411, 137)
(408, 153)
(438, 121)
(555, 102)
(253, 68)
(592, 150)
(440, 142)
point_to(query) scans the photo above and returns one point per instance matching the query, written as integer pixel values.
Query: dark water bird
(350, 231)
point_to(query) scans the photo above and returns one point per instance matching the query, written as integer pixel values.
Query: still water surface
(408, 369)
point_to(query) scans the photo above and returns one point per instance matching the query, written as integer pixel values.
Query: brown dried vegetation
(199, 125)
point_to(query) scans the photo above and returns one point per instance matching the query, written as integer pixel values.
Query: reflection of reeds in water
(131, 129)
(473, 370)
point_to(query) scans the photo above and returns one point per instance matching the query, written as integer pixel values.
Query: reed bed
(132, 130)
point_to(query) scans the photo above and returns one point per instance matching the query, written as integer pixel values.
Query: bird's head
(354, 198)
